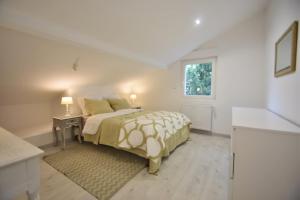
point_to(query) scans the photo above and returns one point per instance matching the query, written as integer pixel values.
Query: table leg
(55, 136)
(72, 132)
(79, 134)
(63, 132)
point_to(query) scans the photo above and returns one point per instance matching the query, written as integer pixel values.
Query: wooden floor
(195, 170)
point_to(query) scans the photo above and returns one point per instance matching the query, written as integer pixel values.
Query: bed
(151, 135)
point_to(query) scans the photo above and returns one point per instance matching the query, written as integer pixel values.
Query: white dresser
(19, 167)
(265, 156)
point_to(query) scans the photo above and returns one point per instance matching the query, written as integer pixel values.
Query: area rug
(100, 170)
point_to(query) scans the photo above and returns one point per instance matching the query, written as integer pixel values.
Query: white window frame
(212, 60)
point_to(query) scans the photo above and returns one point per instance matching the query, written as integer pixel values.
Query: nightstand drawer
(73, 121)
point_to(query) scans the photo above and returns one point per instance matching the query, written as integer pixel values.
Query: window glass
(198, 79)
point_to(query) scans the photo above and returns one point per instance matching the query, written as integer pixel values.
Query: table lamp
(67, 101)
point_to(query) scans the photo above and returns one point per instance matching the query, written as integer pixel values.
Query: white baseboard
(43, 139)
(222, 135)
(199, 131)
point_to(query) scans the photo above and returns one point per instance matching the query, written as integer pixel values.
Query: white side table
(64, 123)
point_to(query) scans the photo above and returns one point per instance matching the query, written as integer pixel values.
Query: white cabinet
(265, 156)
(19, 167)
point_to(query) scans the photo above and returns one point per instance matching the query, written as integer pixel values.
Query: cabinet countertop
(13, 149)
(260, 118)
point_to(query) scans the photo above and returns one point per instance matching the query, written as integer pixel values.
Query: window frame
(212, 60)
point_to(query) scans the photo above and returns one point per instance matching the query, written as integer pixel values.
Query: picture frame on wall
(286, 51)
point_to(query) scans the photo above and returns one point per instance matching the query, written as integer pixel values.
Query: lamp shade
(67, 100)
(132, 96)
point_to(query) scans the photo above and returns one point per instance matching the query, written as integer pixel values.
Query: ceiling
(156, 32)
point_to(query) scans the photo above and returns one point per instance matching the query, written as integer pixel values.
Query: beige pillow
(80, 101)
(118, 104)
(94, 106)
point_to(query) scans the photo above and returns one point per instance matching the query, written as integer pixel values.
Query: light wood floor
(195, 170)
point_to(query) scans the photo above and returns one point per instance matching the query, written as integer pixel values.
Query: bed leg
(154, 165)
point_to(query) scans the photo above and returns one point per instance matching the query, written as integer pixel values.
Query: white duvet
(92, 123)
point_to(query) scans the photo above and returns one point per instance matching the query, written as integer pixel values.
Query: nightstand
(64, 123)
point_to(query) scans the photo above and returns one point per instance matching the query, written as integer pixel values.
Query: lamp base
(67, 111)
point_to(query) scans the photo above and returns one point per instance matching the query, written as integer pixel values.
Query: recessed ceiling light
(197, 22)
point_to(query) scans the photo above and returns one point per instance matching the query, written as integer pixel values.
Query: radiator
(200, 115)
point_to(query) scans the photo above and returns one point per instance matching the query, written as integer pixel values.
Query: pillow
(118, 104)
(80, 101)
(94, 106)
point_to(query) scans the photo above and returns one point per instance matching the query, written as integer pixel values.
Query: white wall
(23, 116)
(240, 75)
(34, 72)
(283, 93)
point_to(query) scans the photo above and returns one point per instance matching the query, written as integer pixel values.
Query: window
(199, 78)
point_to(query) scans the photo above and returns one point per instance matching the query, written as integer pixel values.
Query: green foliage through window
(198, 79)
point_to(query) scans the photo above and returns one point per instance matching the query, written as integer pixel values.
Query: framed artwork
(286, 51)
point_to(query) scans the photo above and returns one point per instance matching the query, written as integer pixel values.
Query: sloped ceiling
(156, 32)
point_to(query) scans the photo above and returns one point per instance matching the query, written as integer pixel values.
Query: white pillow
(80, 101)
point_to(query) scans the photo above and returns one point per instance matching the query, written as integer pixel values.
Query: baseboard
(222, 135)
(43, 139)
(194, 130)
(50, 145)
(204, 132)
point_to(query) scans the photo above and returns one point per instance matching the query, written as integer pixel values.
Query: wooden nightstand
(63, 123)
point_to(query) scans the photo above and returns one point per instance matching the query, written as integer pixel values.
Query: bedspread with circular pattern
(149, 132)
